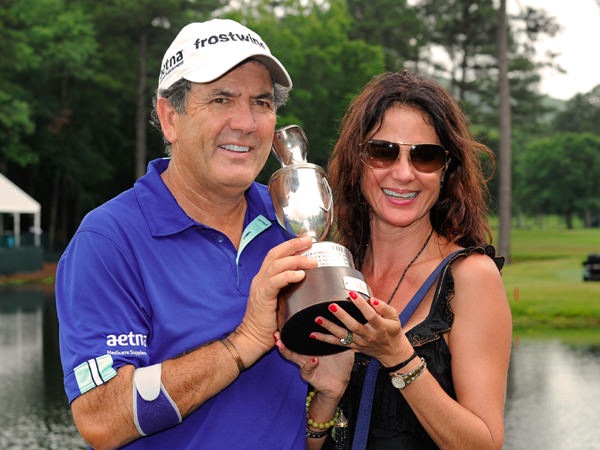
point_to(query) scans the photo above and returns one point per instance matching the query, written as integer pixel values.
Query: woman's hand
(381, 337)
(329, 374)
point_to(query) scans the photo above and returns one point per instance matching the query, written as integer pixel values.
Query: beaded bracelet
(311, 422)
(402, 364)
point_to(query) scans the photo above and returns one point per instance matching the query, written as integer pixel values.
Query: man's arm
(104, 415)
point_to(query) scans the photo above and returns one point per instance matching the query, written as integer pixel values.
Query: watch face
(398, 382)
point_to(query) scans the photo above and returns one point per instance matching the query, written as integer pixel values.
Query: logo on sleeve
(127, 344)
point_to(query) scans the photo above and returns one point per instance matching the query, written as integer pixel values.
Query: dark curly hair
(460, 211)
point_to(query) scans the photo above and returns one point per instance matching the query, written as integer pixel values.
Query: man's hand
(283, 265)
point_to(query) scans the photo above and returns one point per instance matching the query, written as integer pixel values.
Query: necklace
(408, 267)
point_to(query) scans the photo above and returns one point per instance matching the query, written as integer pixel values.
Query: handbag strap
(363, 420)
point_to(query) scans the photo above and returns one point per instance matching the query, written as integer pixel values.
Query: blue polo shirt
(141, 282)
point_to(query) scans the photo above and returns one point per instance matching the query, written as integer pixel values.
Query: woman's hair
(177, 94)
(460, 211)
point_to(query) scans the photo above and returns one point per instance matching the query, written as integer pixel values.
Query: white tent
(15, 201)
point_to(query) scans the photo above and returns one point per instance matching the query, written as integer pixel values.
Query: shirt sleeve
(103, 318)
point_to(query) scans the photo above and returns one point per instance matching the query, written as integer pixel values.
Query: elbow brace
(153, 408)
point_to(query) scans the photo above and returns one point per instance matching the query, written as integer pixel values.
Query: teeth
(407, 196)
(236, 148)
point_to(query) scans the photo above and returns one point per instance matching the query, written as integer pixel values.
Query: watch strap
(397, 367)
(411, 376)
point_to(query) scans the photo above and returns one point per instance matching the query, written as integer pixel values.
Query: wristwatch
(401, 380)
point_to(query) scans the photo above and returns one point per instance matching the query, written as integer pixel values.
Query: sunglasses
(426, 158)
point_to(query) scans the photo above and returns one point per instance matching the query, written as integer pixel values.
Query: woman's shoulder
(481, 255)
(476, 268)
(476, 272)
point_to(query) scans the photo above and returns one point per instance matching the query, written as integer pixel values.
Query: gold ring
(348, 339)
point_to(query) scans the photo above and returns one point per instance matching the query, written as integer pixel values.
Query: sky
(576, 43)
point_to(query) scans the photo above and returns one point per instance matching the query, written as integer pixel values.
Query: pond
(33, 408)
(553, 399)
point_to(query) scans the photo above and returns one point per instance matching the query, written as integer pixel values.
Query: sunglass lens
(380, 154)
(428, 157)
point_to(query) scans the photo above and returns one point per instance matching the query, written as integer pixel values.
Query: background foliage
(78, 78)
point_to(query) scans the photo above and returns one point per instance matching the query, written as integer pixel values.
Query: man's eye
(264, 104)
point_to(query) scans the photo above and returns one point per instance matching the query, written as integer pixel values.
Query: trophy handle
(290, 145)
(329, 206)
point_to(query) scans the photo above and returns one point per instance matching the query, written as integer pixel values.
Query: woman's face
(399, 195)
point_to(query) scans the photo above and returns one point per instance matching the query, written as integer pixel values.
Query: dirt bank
(44, 276)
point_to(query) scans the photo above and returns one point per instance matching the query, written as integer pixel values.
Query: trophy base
(300, 303)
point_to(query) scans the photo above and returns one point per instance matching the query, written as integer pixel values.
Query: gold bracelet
(238, 360)
(311, 422)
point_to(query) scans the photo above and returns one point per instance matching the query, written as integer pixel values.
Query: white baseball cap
(205, 51)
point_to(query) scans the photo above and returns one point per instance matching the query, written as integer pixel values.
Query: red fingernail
(314, 360)
(319, 321)
(332, 308)
(312, 336)
(375, 302)
(353, 295)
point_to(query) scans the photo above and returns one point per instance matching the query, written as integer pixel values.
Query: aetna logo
(231, 36)
(126, 340)
(171, 63)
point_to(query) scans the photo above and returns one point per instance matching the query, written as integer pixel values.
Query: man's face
(222, 141)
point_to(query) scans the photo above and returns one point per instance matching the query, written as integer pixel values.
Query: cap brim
(209, 74)
(278, 72)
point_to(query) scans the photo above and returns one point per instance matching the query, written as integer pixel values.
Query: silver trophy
(304, 205)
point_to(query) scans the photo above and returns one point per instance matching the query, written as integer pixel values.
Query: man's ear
(167, 116)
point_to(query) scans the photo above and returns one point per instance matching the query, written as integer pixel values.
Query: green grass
(544, 281)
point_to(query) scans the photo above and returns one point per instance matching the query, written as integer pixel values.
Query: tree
(505, 191)
(580, 114)
(392, 25)
(465, 29)
(40, 41)
(56, 49)
(560, 174)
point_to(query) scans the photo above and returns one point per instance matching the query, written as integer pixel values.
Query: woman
(410, 192)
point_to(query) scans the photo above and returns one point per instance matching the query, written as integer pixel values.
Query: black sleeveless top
(393, 424)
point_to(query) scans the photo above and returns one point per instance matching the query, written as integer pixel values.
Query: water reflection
(553, 397)
(33, 408)
(552, 404)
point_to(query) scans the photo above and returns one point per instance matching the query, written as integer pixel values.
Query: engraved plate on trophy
(304, 205)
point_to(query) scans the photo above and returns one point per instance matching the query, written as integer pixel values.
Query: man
(166, 308)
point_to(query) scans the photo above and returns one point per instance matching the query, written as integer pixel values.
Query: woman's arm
(479, 341)
(328, 377)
